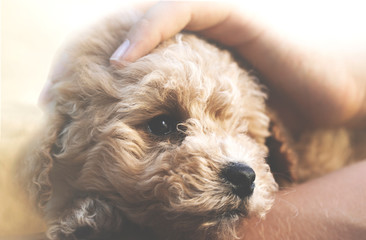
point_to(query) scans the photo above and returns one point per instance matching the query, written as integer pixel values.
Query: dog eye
(161, 125)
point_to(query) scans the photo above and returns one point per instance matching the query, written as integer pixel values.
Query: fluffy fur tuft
(98, 169)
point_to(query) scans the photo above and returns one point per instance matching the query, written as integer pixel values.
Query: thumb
(58, 69)
(159, 23)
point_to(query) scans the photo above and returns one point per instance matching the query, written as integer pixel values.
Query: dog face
(176, 138)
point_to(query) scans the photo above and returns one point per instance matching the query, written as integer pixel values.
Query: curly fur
(96, 169)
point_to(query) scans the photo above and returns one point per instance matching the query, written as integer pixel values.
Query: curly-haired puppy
(174, 142)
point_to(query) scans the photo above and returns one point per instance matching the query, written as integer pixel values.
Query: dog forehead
(184, 71)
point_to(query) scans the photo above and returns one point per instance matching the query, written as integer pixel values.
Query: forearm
(320, 86)
(331, 207)
(314, 86)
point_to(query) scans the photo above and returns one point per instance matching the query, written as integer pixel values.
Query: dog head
(176, 138)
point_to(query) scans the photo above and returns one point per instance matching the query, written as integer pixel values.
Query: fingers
(57, 69)
(150, 30)
(163, 21)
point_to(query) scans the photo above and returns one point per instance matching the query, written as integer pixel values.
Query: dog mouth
(234, 214)
(230, 212)
(216, 219)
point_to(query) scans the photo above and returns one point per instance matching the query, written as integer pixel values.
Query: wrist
(330, 207)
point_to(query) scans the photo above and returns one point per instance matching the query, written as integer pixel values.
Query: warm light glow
(326, 23)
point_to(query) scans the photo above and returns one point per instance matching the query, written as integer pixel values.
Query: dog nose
(241, 177)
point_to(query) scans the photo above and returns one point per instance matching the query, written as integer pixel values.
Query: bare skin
(292, 72)
(331, 207)
(308, 87)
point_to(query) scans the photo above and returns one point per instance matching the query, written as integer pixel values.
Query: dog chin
(215, 223)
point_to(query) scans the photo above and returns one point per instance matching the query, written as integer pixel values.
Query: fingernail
(117, 57)
(57, 70)
(58, 67)
(44, 97)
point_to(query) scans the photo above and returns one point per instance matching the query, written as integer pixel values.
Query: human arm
(303, 82)
(299, 78)
(330, 207)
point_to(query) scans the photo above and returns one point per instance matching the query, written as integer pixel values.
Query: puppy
(174, 145)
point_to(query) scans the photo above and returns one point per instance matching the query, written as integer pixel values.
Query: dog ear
(282, 157)
(37, 161)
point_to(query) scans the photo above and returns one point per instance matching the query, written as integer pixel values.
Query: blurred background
(33, 30)
(31, 33)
